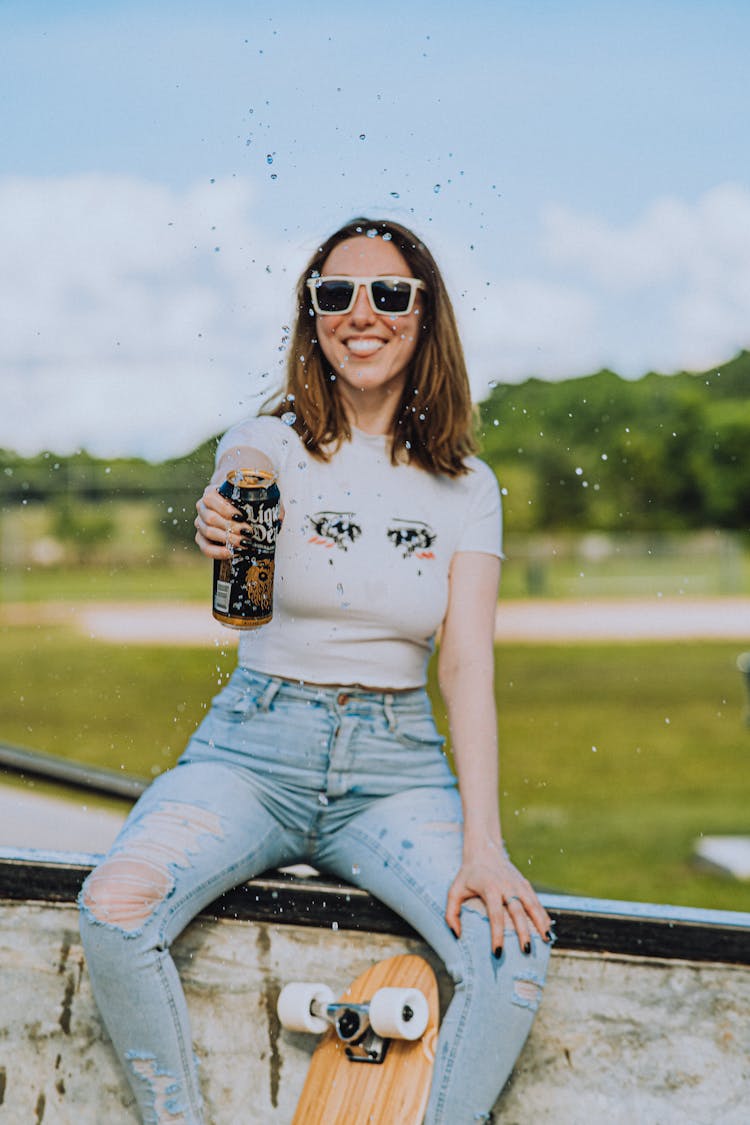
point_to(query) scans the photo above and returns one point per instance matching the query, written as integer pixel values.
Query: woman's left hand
(506, 895)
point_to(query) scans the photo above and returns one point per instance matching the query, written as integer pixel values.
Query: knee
(124, 892)
(132, 881)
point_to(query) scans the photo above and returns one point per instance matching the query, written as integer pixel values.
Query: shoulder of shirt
(481, 474)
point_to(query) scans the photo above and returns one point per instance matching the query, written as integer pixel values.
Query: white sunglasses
(389, 296)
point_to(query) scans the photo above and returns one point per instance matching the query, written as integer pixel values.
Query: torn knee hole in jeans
(162, 1088)
(124, 890)
(527, 992)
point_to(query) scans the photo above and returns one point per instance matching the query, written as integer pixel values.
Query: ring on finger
(513, 898)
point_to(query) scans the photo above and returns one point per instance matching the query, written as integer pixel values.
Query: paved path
(65, 823)
(655, 619)
(538, 621)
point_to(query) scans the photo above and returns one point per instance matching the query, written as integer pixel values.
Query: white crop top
(361, 582)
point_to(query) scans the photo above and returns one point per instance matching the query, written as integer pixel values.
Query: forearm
(468, 692)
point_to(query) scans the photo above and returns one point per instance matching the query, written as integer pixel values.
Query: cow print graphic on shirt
(412, 537)
(335, 529)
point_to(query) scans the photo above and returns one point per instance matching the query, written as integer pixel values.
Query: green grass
(615, 758)
(124, 707)
(188, 581)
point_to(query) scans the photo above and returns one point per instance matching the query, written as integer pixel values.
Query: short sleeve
(483, 523)
(268, 434)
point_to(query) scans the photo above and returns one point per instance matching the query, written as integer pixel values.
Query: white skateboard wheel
(398, 1013)
(295, 1003)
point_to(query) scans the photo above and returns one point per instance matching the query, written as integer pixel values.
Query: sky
(581, 171)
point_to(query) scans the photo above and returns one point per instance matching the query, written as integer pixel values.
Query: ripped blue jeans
(351, 781)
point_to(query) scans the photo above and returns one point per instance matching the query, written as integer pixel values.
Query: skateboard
(374, 1062)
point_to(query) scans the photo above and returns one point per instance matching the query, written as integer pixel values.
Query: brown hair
(433, 425)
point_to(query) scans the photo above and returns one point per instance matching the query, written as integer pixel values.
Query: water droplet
(394, 195)
(322, 799)
(289, 418)
(363, 136)
(274, 176)
(269, 158)
(436, 189)
(387, 236)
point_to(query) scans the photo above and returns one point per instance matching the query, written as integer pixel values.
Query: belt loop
(388, 711)
(269, 693)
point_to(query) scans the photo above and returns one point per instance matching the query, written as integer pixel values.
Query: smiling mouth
(364, 345)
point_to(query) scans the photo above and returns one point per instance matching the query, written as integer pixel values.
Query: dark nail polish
(548, 936)
(527, 948)
(246, 542)
(498, 952)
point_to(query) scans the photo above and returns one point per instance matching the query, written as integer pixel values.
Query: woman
(322, 747)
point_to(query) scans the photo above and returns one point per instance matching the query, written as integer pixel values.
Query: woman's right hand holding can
(220, 528)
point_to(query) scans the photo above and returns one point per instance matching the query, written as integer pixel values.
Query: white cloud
(133, 318)
(523, 327)
(136, 319)
(673, 286)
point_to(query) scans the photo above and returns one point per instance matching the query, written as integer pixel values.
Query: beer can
(243, 583)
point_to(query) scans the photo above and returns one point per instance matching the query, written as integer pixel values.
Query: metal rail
(112, 783)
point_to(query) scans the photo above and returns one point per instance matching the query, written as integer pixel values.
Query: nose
(361, 309)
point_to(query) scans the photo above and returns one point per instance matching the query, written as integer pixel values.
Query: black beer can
(243, 584)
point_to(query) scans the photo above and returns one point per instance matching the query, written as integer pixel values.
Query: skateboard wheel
(295, 1004)
(398, 1013)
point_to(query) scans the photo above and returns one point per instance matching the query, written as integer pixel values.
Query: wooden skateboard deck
(338, 1091)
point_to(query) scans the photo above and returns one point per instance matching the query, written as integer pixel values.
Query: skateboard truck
(366, 1029)
(352, 1025)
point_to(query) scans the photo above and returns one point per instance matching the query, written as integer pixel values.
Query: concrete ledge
(582, 924)
(618, 1039)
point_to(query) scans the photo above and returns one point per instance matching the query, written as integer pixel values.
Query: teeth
(363, 346)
